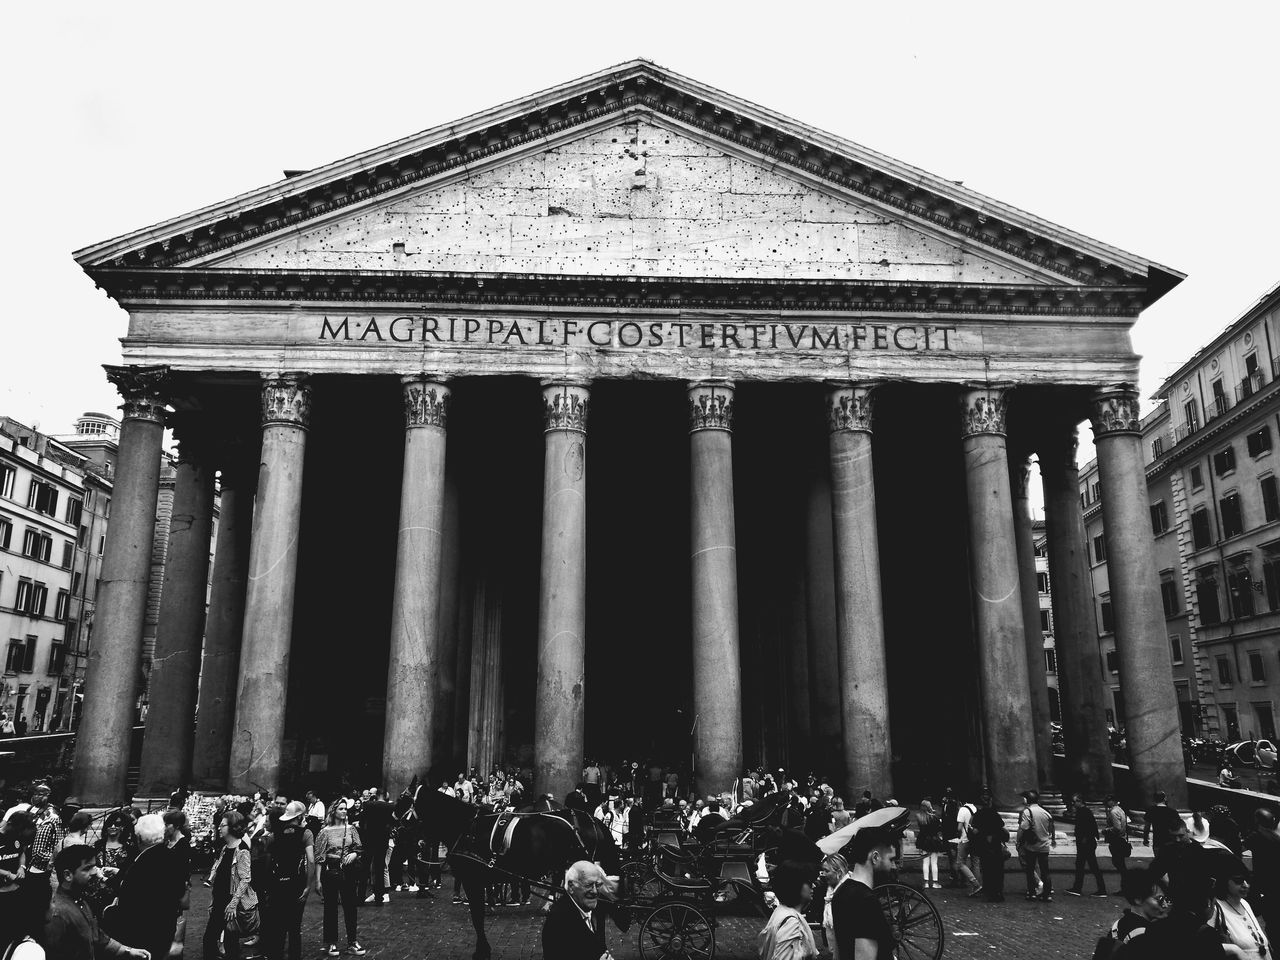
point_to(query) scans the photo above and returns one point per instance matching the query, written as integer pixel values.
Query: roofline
(1161, 279)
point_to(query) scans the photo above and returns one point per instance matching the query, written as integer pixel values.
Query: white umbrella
(884, 817)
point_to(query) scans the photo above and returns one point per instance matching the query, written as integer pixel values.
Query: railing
(1250, 385)
(1220, 404)
(1185, 430)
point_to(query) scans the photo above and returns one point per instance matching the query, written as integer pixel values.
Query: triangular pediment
(636, 198)
(713, 186)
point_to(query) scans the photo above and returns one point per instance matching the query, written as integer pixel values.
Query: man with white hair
(575, 924)
(146, 910)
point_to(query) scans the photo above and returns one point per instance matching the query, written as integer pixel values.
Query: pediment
(549, 185)
(636, 198)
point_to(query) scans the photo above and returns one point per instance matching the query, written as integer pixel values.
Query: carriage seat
(685, 884)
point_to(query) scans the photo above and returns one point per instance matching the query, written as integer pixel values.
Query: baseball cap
(293, 811)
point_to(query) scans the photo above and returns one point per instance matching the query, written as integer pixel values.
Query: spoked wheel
(641, 881)
(917, 926)
(677, 930)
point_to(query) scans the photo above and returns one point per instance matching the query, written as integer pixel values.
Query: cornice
(638, 86)
(1213, 431)
(148, 284)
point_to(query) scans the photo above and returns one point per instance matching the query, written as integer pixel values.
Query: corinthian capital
(286, 400)
(426, 402)
(565, 405)
(710, 406)
(144, 391)
(983, 411)
(1115, 410)
(849, 408)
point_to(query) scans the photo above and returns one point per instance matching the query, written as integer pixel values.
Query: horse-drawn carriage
(678, 891)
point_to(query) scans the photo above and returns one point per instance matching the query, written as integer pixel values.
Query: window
(7, 473)
(1224, 672)
(1095, 491)
(1257, 671)
(1270, 498)
(1266, 720)
(36, 545)
(1159, 518)
(1108, 618)
(82, 536)
(1232, 520)
(1224, 461)
(1240, 586)
(1046, 625)
(1259, 442)
(1191, 411)
(74, 508)
(1157, 446)
(1220, 402)
(6, 531)
(21, 656)
(75, 583)
(1271, 581)
(68, 551)
(1099, 549)
(102, 543)
(22, 599)
(1169, 596)
(43, 498)
(1113, 662)
(1207, 596)
(1175, 647)
(1042, 582)
(57, 657)
(1050, 661)
(39, 597)
(1197, 477)
(1201, 534)
(62, 605)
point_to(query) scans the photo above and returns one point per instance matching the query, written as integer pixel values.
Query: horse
(487, 848)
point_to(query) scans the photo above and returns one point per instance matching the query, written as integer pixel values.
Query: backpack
(287, 858)
(950, 811)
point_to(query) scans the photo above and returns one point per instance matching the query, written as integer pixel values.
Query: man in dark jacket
(1086, 848)
(574, 929)
(146, 909)
(375, 831)
(987, 838)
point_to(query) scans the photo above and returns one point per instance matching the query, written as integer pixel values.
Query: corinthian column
(415, 607)
(1146, 671)
(1075, 629)
(175, 668)
(273, 565)
(111, 675)
(562, 605)
(717, 678)
(864, 677)
(1002, 651)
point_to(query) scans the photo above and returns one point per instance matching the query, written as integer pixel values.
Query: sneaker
(412, 888)
(333, 950)
(1074, 893)
(1045, 898)
(371, 898)
(457, 900)
(386, 898)
(1030, 897)
(355, 949)
(399, 887)
(1101, 893)
(975, 891)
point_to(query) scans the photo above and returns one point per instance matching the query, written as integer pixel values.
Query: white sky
(1129, 122)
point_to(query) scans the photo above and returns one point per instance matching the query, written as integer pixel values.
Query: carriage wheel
(641, 880)
(917, 926)
(677, 930)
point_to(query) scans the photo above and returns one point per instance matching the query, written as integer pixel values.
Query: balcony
(1250, 385)
(1219, 405)
(1184, 431)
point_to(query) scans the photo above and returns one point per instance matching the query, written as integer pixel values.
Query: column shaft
(1037, 674)
(559, 720)
(111, 674)
(1002, 651)
(169, 738)
(1081, 687)
(447, 674)
(825, 718)
(262, 689)
(412, 671)
(1146, 672)
(717, 679)
(863, 672)
(215, 714)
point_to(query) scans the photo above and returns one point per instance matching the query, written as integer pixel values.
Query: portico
(704, 302)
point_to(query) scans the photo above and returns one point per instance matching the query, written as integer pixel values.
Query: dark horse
(537, 845)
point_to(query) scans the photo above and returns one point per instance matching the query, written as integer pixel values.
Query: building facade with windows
(1214, 492)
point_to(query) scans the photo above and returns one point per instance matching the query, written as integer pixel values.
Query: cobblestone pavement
(410, 928)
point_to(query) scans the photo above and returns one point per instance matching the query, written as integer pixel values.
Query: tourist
(840, 817)
(1145, 894)
(1198, 828)
(113, 856)
(861, 930)
(291, 874)
(787, 935)
(1223, 830)
(574, 929)
(1187, 932)
(22, 922)
(7, 727)
(71, 930)
(1264, 844)
(1036, 836)
(1159, 822)
(78, 828)
(1086, 837)
(337, 851)
(1238, 924)
(1179, 851)
(1116, 833)
(146, 909)
(315, 813)
(51, 827)
(961, 854)
(835, 871)
(37, 805)
(376, 821)
(15, 833)
(987, 837)
(234, 905)
(929, 842)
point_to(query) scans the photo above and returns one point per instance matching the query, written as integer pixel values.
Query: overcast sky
(1127, 122)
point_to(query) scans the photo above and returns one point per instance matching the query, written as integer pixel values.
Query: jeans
(992, 865)
(1032, 862)
(1118, 855)
(338, 885)
(214, 929)
(281, 922)
(377, 855)
(1087, 856)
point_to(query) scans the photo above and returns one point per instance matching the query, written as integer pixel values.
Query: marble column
(717, 679)
(559, 721)
(1008, 739)
(1081, 687)
(215, 713)
(1146, 672)
(263, 685)
(825, 716)
(1037, 675)
(100, 771)
(863, 672)
(169, 738)
(413, 668)
(486, 715)
(794, 669)
(447, 674)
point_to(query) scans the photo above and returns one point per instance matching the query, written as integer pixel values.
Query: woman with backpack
(929, 842)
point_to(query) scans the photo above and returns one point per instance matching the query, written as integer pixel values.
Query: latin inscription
(628, 334)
